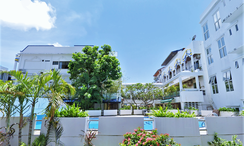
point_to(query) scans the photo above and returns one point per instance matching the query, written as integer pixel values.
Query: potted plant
(126, 110)
(94, 112)
(73, 122)
(193, 110)
(180, 124)
(228, 112)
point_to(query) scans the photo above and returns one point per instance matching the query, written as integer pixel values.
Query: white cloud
(25, 14)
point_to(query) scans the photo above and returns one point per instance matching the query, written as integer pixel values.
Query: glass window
(227, 77)
(209, 56)
(230, 32)
(217, 20)
(236, 27)
(236, 64)
(222, 48)
(63, 65)
(213, 82)
(55, 62)
(206, 32)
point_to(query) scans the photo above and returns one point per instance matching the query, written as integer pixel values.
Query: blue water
(148, 125)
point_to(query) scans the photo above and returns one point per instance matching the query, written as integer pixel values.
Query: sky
(143, 32)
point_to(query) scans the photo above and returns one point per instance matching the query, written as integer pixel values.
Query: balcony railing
(171, 95)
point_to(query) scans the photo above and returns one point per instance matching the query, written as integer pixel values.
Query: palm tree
(58, 89)
(7, 99)
(23, 84)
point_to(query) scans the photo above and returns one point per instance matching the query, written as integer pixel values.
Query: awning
(167, 100)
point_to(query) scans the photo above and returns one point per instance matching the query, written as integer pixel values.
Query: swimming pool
(93, 123)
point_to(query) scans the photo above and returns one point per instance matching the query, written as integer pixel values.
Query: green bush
(165, 113)
(192, 108)
(141, 108)
(70, 111)
(39, 141)
(222, 142)
(242, 113)
(125, 107)
(228, 109)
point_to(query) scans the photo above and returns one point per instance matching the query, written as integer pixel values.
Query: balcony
(187, 95)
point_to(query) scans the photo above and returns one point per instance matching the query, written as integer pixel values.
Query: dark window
(230, 31)
(42, 60)
(213, 82)
(236, 27)
(55, 62)
(63, 65)
(228, 81)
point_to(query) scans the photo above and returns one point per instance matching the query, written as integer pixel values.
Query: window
(222, 48)
(209, 56)
(63, 65)
(55, 62)
(228, 81)
(236, 27)
(217, 20)
(236, 64)
(205, 30)
(213, 82)
(230, 32)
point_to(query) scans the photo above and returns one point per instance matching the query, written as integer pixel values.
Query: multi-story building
(186, 67)
(222, 27)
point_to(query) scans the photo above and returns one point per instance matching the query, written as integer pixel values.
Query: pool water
(148, 125)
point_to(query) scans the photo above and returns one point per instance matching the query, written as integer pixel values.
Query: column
(180, 83)
(192, 63)
(180, 68)
(182, 104)
(197, 82)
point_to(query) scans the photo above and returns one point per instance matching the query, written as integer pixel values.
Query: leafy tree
(92, 73)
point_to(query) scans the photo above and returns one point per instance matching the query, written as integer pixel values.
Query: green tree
(130, 94)
(92, 73)
(58, 89)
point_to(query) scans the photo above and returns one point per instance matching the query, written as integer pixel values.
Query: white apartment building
(186, 66)
(222, 26)
(35, 59)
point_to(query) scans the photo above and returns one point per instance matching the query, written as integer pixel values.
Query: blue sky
(143, 32)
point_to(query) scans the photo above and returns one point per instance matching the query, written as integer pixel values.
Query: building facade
(222, 27)
(186, 68)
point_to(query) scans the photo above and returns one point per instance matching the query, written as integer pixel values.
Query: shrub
(70, 111)
(140, 137)
(125, 107)
(242, 113)
(39, 141)
(222, 142)
(141, 108)
(165, 113)
(192, 108)
(228, 109)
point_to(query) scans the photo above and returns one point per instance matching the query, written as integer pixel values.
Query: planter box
(206, 113)
(110, 112)
(73, 130)
(94, 112)
(184, 130)
(138, 112)
(112, 129)
(228, 114)
(125, 112)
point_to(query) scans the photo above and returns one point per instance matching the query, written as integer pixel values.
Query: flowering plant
(140, 137)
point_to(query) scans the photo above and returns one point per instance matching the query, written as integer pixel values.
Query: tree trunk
(20, 125)
(48, 131)
(31, 121)
(7, 130)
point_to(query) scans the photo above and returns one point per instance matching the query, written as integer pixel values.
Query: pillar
(180, 83)
(182, 104)
(192, 62)
(197, 82)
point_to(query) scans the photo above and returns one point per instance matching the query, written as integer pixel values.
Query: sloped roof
(171, 55)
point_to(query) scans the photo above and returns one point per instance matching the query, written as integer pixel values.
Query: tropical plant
(192, 108)
(228, 109)
(165, 113)
(242, 113)
(125, 107)
(222, 142)
(5, 136)
(57, 90)
(70, 111)
(89, 136)
(7, 100)
(92, 72)
(40, 140)
(140, 137)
